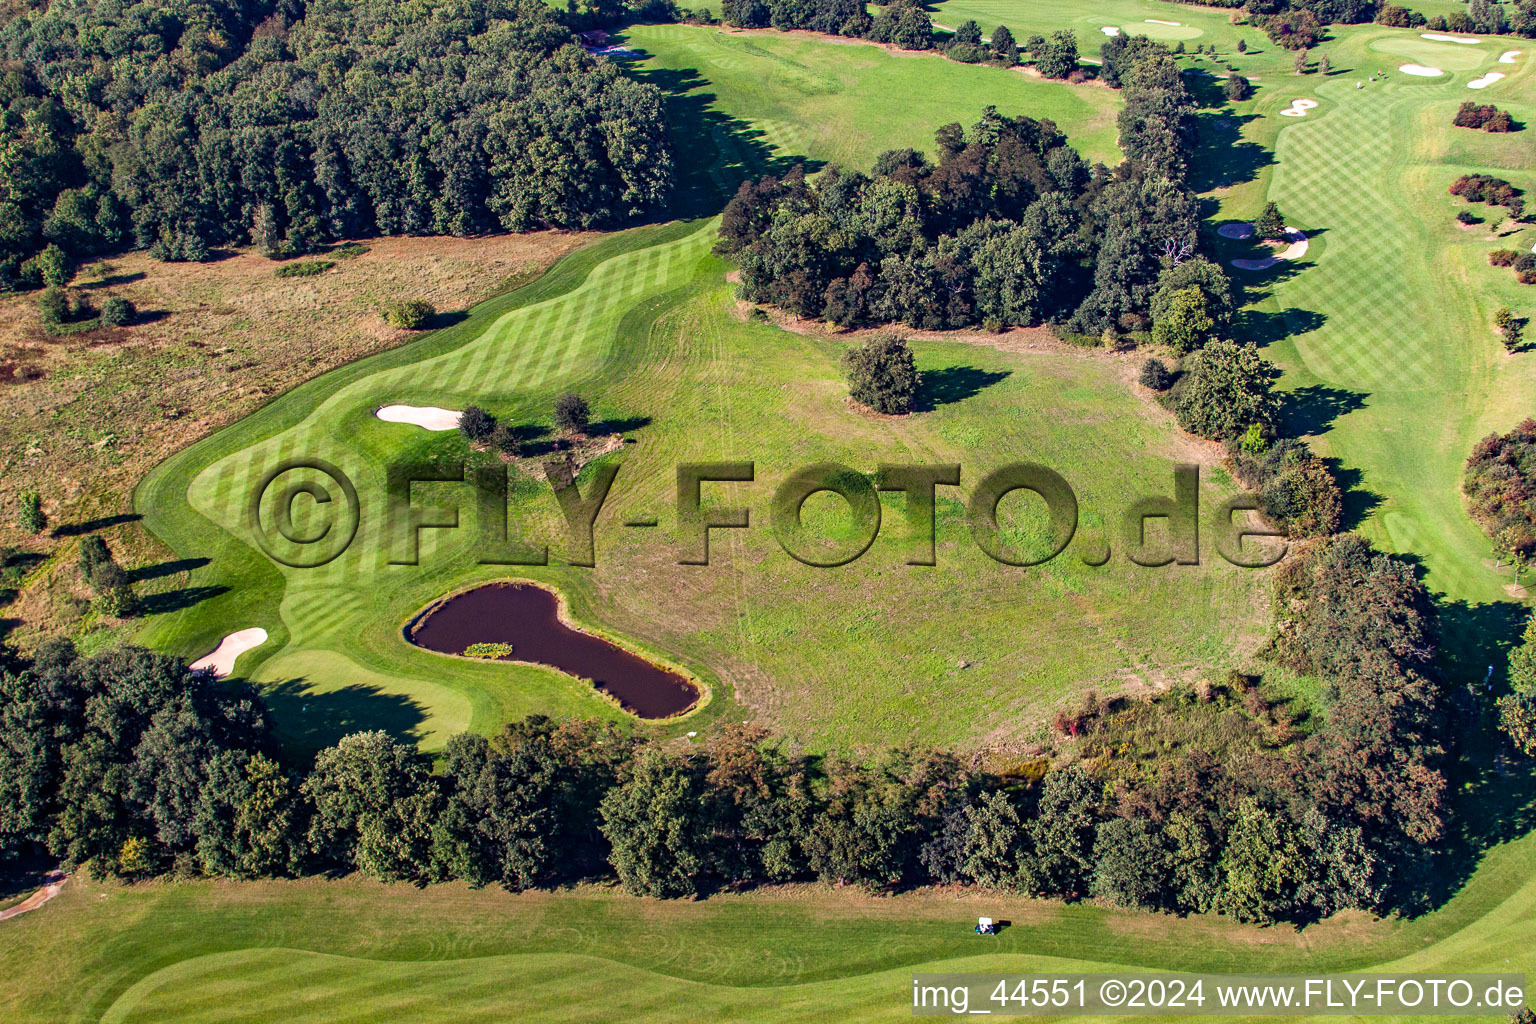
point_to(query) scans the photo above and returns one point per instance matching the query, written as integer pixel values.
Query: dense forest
(186, 124)
(130, 764)
(1008, 225)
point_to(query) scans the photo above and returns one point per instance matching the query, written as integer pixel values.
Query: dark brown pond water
(528, 618)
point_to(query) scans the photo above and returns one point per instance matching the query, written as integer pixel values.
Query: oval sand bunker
(428, 417)
(528, 617)
(1508, 57)
(1486, 80)
(221, 661)
(1420, 70)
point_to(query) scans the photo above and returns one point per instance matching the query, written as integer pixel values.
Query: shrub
(1484, 188)
(966, 53)
(1500, 486)
(1226, 388)
(488, 650)
(304, 268)
(53, 268)
(1155, 375)
(53, 304)
(506, 439)
(411, 314)
(1486, 117)
(1237, 88)
(348, 251)
(1468, 218)
(1503, 257)
(572, 414)
(1242, 46)
(1296, 490)
(29, 512)
(93, 552)
(117, 312)
(883, 375)
(476, 424)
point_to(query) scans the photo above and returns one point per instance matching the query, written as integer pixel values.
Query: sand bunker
(1110, 30)
(1509, 56)
(1421, 71)
(428, 417)
(1298, 108)
(51, 886)
(1237, 229)
(1160, 21)
(1437, 37)
(1486, 80)
(1295, 251)
(222, 661)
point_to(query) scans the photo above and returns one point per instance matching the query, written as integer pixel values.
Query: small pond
(528, 618)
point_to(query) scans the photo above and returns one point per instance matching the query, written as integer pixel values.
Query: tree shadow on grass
(163, 569)
(178, 600)
(92, 525)
(954, 384)
(1312, 410)
(1222, 156)
(618, 425)
(1493, 789)
(1264, 329)
(1355, 502)
(308, 721)
(715, 152)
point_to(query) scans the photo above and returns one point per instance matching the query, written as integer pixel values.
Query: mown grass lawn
(322, 950)
(1385, 329)
(646, 326)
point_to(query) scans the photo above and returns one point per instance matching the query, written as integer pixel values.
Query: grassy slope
(331, 950)
(798, 95)
(1385, 329)
(869, 652)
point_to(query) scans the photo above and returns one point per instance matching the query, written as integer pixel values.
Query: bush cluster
(1297, 491)
(1488, 118)
(410, 314)
(1500, 485)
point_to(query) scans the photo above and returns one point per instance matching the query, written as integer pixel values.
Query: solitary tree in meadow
(883, 375)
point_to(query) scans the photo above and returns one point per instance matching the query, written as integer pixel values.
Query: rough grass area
(90, 415)
(646, 326)
(322, 950)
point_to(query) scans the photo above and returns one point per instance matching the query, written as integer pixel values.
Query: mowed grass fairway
(324, 951)
(799, 95)
(1386, 326)
(646, 324)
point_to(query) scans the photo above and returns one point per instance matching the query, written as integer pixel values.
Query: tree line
(187, 124)
(1008, 225)
(129, 763)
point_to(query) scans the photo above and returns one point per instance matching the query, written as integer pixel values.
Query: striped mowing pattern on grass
(1335, 177)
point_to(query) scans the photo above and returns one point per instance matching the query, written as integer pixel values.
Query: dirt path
(50, 889)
